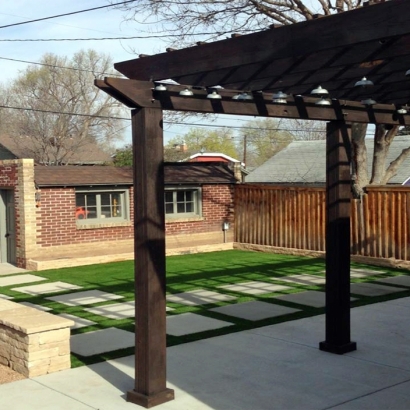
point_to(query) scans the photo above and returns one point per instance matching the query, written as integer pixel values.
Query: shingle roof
(23, 147)
(175, 173)
(305, 162)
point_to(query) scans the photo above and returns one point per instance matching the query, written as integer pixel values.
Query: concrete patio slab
(39, 307)
(115, 310)
(373, 289)
(19, 279)
(52, 287)
(198, 297)
(87, 297)
(254, 287)
(396, 280)
(188, 323)
(275, 367)
(254, 310)
(101, 341)
(79, 322)
(5, 297)
(311, 298)
(304, 279)
(9, 269)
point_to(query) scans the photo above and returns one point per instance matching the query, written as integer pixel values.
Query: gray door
(7, 227)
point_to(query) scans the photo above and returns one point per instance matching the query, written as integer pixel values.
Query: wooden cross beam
(141, 94)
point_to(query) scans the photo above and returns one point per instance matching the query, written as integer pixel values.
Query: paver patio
(254, 310)
(311, 298)
(39, 307)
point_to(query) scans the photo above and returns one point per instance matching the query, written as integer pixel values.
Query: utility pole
(245, 143)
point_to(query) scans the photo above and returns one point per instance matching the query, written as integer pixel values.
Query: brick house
(72, 215)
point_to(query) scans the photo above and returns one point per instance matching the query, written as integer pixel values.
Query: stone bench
(33, 342)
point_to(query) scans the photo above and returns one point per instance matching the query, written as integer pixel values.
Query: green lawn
(188, 272)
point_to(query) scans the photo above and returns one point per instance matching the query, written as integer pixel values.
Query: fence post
(338, 196)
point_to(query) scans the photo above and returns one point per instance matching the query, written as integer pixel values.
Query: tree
(198, 139)
(61, 109)
(262, 138)
(185, 20)
(123, 157)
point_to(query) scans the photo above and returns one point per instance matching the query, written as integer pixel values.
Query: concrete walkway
(274, 367)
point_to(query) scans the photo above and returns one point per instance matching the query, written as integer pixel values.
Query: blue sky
(107, 22)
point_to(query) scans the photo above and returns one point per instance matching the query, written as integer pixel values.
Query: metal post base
(338, 349)
(150, 401)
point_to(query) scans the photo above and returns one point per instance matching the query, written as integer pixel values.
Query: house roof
(210, 155)
(175, 173)
(88, 153)
(305, 162)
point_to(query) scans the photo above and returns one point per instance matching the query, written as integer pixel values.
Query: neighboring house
(66, 212)
(236, 165)
(71, 152)
(304, 162)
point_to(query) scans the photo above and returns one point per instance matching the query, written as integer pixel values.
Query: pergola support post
(149, 237)
(338, 203)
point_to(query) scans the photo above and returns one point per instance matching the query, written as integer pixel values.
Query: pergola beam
(142, 94)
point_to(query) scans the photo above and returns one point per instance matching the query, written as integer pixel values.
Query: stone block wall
(33, 342)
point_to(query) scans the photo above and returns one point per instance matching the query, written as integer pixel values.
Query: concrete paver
(101, 341)
(188, 323)
(254, 287)
(304, 279)
(198, 297)
(52, 287)
(79, 322)
(254, 310)
(114, 310)
(373, 289)
(39, 307)
(87, 297)
(396, 280)
(19, 279)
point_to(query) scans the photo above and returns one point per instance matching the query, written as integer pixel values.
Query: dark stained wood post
(149, 235)
(338, 196)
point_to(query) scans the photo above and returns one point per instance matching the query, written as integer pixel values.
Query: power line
(97, 38)
(56, 66)
(166, 122)
(67, 14)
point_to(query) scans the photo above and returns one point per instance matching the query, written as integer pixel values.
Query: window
(183, 202)
(101, 206)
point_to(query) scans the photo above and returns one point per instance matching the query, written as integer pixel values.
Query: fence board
(294, 217)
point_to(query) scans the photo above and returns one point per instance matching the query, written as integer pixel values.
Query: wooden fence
(294, 217)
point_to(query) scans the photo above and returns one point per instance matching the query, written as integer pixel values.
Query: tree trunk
(359, 159)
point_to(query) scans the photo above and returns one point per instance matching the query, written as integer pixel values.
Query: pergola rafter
(335, 52)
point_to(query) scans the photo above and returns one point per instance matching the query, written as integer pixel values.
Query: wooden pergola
(333, 52)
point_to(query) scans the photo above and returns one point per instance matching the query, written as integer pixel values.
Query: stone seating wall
(33, 342)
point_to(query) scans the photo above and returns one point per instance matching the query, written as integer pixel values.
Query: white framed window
(183, 202)
(101, 206)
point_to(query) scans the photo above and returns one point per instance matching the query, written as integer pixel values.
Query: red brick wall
(57, 224)
(8, 176)
(217, 206)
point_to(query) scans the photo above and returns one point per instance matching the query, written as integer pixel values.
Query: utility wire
(97, 38)
(56, 66)
(166, 122)
(67, 14)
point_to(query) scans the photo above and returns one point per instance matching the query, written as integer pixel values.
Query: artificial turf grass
(195, 271)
